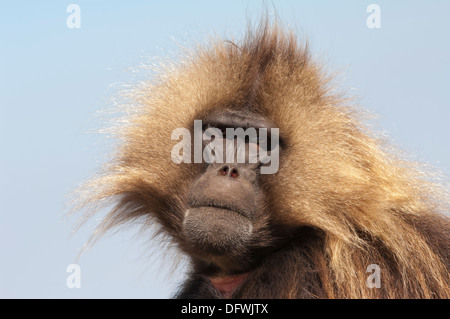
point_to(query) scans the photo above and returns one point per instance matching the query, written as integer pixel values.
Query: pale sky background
(54, 79)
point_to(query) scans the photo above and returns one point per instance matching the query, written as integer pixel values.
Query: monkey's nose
(233, 172)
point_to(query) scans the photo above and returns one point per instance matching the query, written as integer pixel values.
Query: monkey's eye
(264, 141)
(207, 126)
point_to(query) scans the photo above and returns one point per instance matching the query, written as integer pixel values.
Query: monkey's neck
(227, 285)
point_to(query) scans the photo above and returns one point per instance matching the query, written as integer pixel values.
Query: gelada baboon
(338, 202)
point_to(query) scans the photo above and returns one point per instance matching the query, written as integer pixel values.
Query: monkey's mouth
(222, 207)
(217, 229)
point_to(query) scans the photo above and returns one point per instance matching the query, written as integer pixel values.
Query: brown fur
(352, 200)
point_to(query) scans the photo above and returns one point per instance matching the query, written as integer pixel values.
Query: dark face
(227, 222)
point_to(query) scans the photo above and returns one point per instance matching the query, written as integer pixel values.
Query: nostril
(234, 173)
(224, 171)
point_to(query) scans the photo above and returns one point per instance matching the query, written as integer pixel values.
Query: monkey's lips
(217, 230)
(229, 208)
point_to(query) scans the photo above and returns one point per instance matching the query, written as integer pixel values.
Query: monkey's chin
(217, 231)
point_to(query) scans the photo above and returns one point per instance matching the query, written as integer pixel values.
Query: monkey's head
(325, 176)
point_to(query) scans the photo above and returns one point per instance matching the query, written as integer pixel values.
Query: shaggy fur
(351, 201)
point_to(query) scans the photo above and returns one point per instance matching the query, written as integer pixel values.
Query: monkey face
(225, 219)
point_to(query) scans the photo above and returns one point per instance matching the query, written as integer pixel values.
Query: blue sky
(54, 80)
